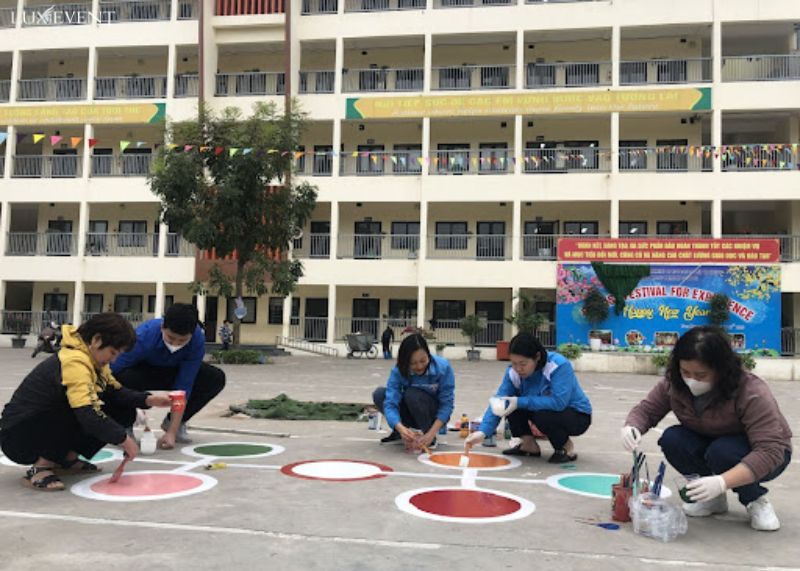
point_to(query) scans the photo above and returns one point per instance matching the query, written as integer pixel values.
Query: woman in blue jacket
(419, 393)
(540, 387)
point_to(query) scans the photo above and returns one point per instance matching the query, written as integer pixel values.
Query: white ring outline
(190, 450)
(116, 455)
(403, 502)
(512, 462)
(84, 488)
(554, 482)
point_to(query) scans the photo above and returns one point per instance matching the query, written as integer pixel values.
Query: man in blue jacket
(168, 355)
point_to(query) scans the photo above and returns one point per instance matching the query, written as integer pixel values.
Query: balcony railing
(315, 164)
(41, 244)
(761, 68)
(7, 18)
(2, 166)
(382, 5)
(666, 159)
(472, 77)
(321, 81)
(52, 89)
(571, 74)
(578, 159)
(694, 70)
(469, 247)
(135, 318)
(30, 322)
(459, 162)
(310, 7)
(251, 83)
(135, 244)
(396, 163)
(5, 90)
(309, 328)
(789, 245)
(378, 246)
(72, 14)
(47, 166)
(117, 11)
(471, 3)
(449, 331)
(773, 157)
(125, 165)
(141, 87)
(314, 246)
(369, 80)
(188, 9)
(187, 85)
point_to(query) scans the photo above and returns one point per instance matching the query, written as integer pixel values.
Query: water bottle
(148, 443)
(507, 432)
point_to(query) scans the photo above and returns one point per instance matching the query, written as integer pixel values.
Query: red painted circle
(147, 484)
(289, 470)
(464, 503)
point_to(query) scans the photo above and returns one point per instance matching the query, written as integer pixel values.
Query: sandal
(562, 456)
(518, 451)
(84, 467)
(43, 484)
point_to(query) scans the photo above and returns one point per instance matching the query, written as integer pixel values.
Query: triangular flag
(37, 137)
(272, 151)
(204, 149)
(247, 151)
(140, 144)
(298, 154)
(124, 145)
(355, 154)
(420, 160)
(232, 151)
(172, 146)
(218, 150)
(394, 159)
(92, 142)
(55, 139)
(187, 148)
(3, 137)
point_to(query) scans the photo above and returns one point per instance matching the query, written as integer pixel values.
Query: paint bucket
(178, 399)
(619, 503)
(374, 421)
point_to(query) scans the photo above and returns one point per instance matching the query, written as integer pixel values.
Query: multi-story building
(607, 118)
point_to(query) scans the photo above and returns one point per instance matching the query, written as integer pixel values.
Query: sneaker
(762, 515)
(562, 457)
(718, 505)
(182, 436)
(393, 437)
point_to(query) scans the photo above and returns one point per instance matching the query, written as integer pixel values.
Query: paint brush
(463, 462)
(118, 472)
(426, 449)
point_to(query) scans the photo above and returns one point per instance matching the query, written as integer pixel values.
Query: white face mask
(698, 388)
(172, 348)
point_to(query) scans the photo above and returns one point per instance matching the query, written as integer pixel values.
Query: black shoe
(518, 451)
(393, 437)
(561, 456)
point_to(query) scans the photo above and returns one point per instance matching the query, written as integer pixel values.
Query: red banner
(672, 250)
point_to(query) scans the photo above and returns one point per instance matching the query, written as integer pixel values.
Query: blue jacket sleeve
(135, 355)
(188, 368)
(490, 419)
(391, 402)
(446, 394)
(562, 384)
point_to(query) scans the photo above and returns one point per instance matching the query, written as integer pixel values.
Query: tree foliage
(595, 307)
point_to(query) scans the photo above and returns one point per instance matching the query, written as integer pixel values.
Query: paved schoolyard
(260, 517)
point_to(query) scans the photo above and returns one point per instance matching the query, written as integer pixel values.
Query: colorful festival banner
(670, 250)
(672, 300)
(79, 114)
(598, 101)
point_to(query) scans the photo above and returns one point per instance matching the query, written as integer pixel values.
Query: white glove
(631, 437)
(474, 439)
(708, 488)
(503, 406)
(511, 406)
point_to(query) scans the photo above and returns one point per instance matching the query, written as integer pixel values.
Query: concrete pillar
(171, 65)
(162, 239)
(426, 145)
(613, 223)
(520, 61)
(331, 336)
(519, 151)
(334, 240)
(5, 221)
(516, 230)
(614, 158)
(716, 46)
(287, 316)
(16, 69)
(201, 306)
(422, 254)
(294, 49)
(77, 303)
(716, 218)
(421, 303)
(159, 312)
(336, 160)
(794, 129)
(20, 15)
(210, 53)
(11, 146)
(86, 157)
(716, 137)
(428, 70)
(514, 305)
(2, 294)
(338, 64)
(616, 52)
(83, 227)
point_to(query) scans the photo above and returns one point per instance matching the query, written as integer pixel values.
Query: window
(128, 303)
(275, 314)
(151, 303)
(402, 309)
(295, 320)
(633, 155)
(132, 233)
(587, 228)
(93, 303)
(448, 313)
(451, 236)
(405, 236)
(672, 227)
(249, 303)
(407, 157)
(628, 228)
(453, 158)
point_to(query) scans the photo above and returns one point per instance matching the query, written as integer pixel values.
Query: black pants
(52, 435)
(417, 407)
(558, 426)
(209, 383)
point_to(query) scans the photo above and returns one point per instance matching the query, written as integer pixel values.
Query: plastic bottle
(148, 442)
(464, 426)
(507, 432)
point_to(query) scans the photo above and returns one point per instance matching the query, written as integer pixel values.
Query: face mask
(698, 388)
(172, 348)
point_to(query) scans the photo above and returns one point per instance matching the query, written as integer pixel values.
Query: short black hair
(407, 348)
(113, 329)
(712, 347)
(528, 345)
(181, 318)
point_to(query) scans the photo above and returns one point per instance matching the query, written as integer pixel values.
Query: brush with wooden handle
(118, 472)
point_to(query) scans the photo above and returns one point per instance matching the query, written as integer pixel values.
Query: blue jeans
(692, 453)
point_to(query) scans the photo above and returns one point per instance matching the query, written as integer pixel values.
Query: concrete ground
(260, 518)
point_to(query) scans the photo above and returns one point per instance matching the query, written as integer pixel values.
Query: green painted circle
(592, 484)
(100, 456)
(232, 449)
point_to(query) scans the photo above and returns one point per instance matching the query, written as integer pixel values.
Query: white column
(518, 151)
(171, 65)
(2, 294)
(428, 70)
(716, 137)
(201, 306)
(614, 142)
(716, 218)
(77, 303)
(794, 129)
(514, 305)
(96, 12)
(426, 145)
(287, 316)
(91, 72)
(11, 147)
(616, 52)
(422, 254)
(338, 63)
(294, 49)
(520, 61)
(162, 239)
(83, 227)
(174, 14)
(86, 157)
(716, 46)
(210, 52)
(331, 336)
(516, 230)
(336, 160)
(613, 224)
(160, 299)
(16, 70)
(334, 239)
(5, 220)
(20, 12)
(421, 306)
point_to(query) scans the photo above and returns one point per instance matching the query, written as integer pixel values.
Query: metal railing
(309, 328)
(437, 4)
(789, 245)
(449, 331)
(320, 81)
(47, 166)
(303, 345)
(52, 89)
(30, 322)
(2, 166)
(41, 244)
(250, 83)
(571, 74)
(315, 164)
(317, 246)
(134, 318)
(140, 87)
(5, 90)
(135, 244)
(666, 159)
(579, 159)
(188, 9)
(484, 161)
(384, 79)
(560, 1)
(7, 17)
(781, 157)
(639, 72)
(310, 7)
(382, 5)
(187, 85)
(790, 341)
(540, 246)
(469, 247)
(115, 11)
(378, 246)
(72, 14)
(400, 163)
(761, 68)
(373, 326)
(125, 165)
(178, 246)
(473, 77)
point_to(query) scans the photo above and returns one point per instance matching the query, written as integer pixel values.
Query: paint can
(178, 399)
(374, 421)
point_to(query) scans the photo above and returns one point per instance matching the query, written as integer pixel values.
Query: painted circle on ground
(233, 450)
(103, 455)
(477, 460)
(336, 470)
(590, 484)
(464, 505)
(143, 486)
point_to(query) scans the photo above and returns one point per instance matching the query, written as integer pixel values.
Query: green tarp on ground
(283, 407)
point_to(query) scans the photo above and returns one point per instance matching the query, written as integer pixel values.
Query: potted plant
(718, 312)
(471, 327)
(440, 348)
(595, 310)
(571, 351)
(526, 319)
(20, 331)
(660, 361)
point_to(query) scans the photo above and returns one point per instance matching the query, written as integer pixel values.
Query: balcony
(665, 71)
(313, 7)
(142, 87)
(320, 81)
(378, 246)
(761, 68)
(135, 245)
(397, 163)
(315, 164)
(469, 247)
(773, 157)
(187, 85)
(560, 1)
(7, 17)
(117, 11)
(52, 89)
(251, 83)
(309, 328)
(563, 160)
(382, 5)
(313, 246)
(382, 80)
(666, 159)
(460, 162)
(471, 3)
(472, 77)
(5, 90)
(571, 74)
(46, 166)
(41, 244)
(72, 14)
(125, 165)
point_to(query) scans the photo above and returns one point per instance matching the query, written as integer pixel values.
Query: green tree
(525, 316)
(227, 186)
(471, 327)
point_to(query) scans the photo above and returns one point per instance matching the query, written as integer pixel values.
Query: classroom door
(366, 314)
